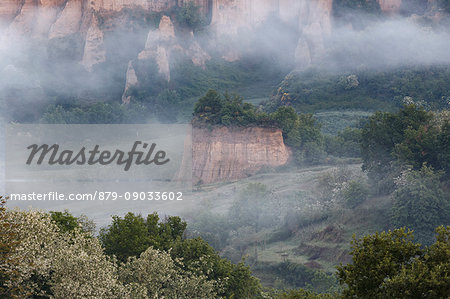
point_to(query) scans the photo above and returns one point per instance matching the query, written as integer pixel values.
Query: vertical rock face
(94, 51)
(315, 28)
(159, 44)
(224, 154)
(61, 18)
(131, 81)
(230, 15)
(117, 5)
(302, 54)
(312, 16)
(47, 14)
(69, 20)
(9, 10)
(24, 20)
(162, 42)
(390, 6)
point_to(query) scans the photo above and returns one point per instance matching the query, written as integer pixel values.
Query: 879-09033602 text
(99, 195)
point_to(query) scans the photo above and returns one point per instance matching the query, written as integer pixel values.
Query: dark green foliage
(99, 113)
(295, 274)
(254, 76)
(354, 193)
(67, 222)
(427, 143)
(391, 265)
(286, 118)
(420, 203)
(303, 134)
(314, 89)
(345, 144)
(242, 284)
(335, 122)
(132, 234)
(380, 136)
(428, 276)
(212, 228)
(126, 237)
(376, 257)
(301, 294)
(299, 276)
(200, 257)
(227, 110)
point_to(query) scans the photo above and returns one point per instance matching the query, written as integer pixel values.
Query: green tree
(345, 144)
(200, 258)
(44, 261)
(427, 276)
(125, 237)
(301, 294)
(67, 222)
(132, 234)
(376, 257)
(156, 275)
(8, 243)
(420, 203)
(305, 138)
(380, 136)
(390, 265)
(209, 106)
(354, 193)
(285, 117)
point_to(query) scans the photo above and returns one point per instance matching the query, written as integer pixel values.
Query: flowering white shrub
(162, 277)
(53, 264)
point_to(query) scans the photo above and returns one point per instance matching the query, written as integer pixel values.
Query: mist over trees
(287, 226)
(390, 263)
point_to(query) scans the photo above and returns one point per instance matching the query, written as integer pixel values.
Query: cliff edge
(231, 153)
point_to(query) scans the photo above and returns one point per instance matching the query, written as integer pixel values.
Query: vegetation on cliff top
(300, 131)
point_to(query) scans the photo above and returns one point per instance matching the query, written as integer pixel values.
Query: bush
(228, 110)
(98, 113)
(313, 90)
(420, 203)
(354, 193)
(391, 265)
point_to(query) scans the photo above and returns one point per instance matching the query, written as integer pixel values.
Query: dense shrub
(391, 265)
(420, 203)
(315, 89)
(354, 193)
(99, 113)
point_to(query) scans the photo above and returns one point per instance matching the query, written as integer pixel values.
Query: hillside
(158, 56)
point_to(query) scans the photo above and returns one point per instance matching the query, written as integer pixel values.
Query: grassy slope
(326, 241)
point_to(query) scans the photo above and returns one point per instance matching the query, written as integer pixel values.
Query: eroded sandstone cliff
(62, 18)
(225, 154)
